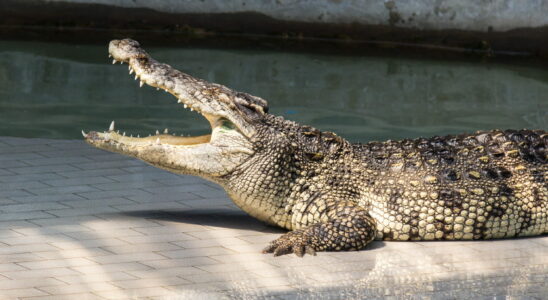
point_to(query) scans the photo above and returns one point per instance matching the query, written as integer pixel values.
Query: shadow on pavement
(207, 217)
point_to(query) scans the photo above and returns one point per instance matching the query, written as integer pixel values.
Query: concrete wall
(509, 26)
(477, 15)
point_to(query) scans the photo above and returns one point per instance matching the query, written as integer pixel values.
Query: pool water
(55, 90)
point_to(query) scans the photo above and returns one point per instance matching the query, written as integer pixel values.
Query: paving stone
(90, 173)
(14, 193)
(73, 253)
(80, 296)
(109, 268)
(77, 181)
(93, 234)
(126, 257)
(57, 263)
(178, 189)
(24, 216)
(21, 293)
(136, 248)
(84, 211)
(91, 279)
(9, 267)
(22, 185)
(59, 190)
(237, 266)
(148, 283)
(79, 288)
(99, 242)
(19, 257)
(30, 177)
(46, 198)
(153, 198)
(183, 272)
(40, 273)
(120, 163)
(31, 207)
(64, 221)
(184, 262)
(111, 227)
(196, 252)
(13, 164)
(82, 202)
(158, 238)
(34, 239)
(57, 160)
(29, 283)
(43, 169)
(19, 156)
(112, 194)
(50, 230)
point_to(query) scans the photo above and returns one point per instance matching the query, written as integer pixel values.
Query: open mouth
(150, 72)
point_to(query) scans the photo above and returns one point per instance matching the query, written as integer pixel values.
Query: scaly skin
(334, 195)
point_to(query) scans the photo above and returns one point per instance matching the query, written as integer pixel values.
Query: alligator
(333, 195)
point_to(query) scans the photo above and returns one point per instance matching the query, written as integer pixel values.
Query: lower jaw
(113, 139)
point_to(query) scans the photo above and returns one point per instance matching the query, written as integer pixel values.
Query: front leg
(349, 227)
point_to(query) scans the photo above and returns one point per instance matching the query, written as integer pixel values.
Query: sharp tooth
(157, 132)
(138, 136)
(191, 109)
(118, 131)
(166, 131)
(130, 71)
(111, 127)
(136, 76)
(141, 83)
(109, 55)
(124, 134)
(149, 135)
(185, 106)
(179, 101)
(131, 135)
(113, 61)
(166, 90)
(84, 134)
(158, 141)
(157, 89)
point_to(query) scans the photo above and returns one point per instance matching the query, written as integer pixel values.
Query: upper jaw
(213, 101)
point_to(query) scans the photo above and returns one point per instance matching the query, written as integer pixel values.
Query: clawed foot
(292, 242)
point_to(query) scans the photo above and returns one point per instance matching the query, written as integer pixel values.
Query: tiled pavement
(79, 223)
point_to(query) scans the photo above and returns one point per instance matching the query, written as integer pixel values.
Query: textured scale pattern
(334, 195)
(479, 186)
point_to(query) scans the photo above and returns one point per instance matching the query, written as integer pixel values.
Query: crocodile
(333, 195)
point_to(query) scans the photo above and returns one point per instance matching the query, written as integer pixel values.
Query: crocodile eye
(227, 125)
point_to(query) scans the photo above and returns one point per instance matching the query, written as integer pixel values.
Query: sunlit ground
(79, 223)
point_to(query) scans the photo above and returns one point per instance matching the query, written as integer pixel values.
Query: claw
(298, 250)
(282, 250)
(310, 251)
(269, 249)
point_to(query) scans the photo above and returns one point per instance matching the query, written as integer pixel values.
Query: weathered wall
(486, 26)
(477, 15)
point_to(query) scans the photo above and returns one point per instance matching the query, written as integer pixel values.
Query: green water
(54, 90)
